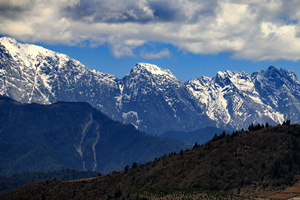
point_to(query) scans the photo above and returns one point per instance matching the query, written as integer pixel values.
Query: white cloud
(253, 29)
(155, 55)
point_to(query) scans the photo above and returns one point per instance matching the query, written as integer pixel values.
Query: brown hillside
(244, 163)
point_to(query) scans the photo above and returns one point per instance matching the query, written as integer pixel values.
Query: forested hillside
(248, 162)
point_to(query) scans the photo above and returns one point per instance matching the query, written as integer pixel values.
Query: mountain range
(151, 98)
(35, 137)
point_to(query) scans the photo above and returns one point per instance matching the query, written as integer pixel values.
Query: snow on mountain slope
(30, 73)
(159, 100)
(231, 99)
(279, 89)
(150, 98)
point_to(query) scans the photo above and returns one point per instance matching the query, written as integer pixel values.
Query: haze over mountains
(151, 98)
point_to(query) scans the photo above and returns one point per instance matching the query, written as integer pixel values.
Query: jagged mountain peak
(26, 49)
(149, 75)
(276, 69)
(271, 67)
(229, 74)
(151, 69)
(235, 98)
(273, 71)
(8, 40)
(241, 80)
(276, 72)
(275, 78)
(36, 74)
(28, 54)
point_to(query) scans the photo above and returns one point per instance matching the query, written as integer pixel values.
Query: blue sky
(191, 38)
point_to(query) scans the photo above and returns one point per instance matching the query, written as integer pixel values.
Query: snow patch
(83, 134)
(132, 116)
(94, 150)
(119, 98)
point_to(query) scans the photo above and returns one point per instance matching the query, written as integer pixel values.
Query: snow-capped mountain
(30, 73)
(150, 98)
(279, 89)
(232, 100)
(154, 100)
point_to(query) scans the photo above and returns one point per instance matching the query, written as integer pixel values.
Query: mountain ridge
(151, 98)
(71, 135)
